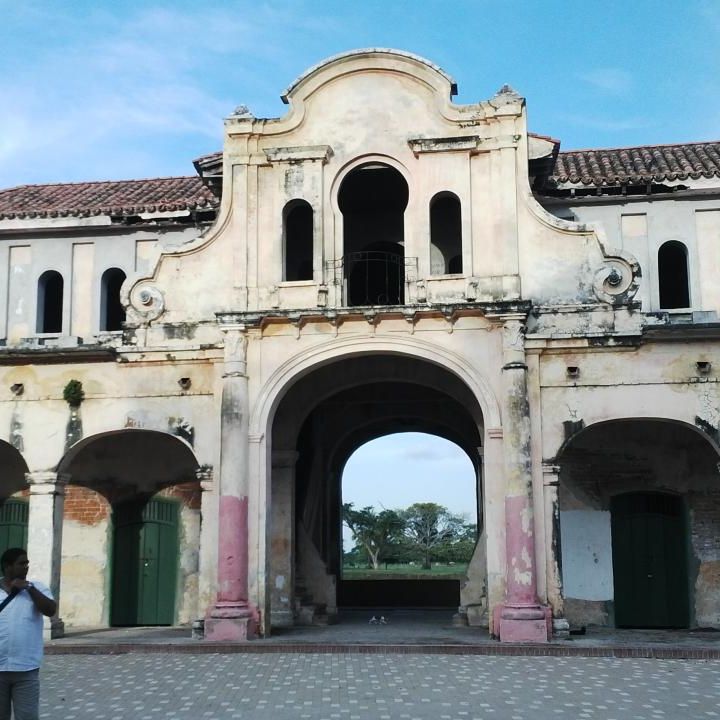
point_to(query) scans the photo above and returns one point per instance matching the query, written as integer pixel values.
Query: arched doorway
(410, 512)
(13, 506)
(322, 419)
(132, 509)
(372, 199)
(637, 500)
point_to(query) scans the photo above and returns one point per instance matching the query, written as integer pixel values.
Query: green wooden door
(649, 539)
(13, 524)
(145, 563)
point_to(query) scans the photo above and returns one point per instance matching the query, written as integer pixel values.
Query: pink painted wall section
(521, 582)
(233, 549)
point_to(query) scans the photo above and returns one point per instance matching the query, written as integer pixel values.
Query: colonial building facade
(188, 363)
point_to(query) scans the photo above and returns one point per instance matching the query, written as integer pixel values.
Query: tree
(375, 531)
(429, 526)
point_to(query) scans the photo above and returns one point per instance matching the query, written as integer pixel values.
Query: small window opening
(112, 313)
(50, 302)
(445, 235)
(298, 234)
(673, 276)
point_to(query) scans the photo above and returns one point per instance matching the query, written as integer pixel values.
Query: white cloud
(608, 79)
(127, 83)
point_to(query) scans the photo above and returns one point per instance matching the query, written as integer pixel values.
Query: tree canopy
(423, 532)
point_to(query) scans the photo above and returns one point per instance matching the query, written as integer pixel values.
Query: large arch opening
(639, 501)
(132, 511)
(410, 512)
(320, 422)
(372, 199)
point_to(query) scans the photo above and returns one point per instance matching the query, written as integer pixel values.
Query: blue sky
(124, 89)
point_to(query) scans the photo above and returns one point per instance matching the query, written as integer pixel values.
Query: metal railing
(372, 277)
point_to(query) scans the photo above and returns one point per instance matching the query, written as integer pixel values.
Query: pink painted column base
(232, 619)
(233, 629)
(532, 629)
(521, 618)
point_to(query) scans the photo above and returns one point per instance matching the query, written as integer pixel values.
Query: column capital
(236, 343)
(550, 473)
(46, 482)
(206, 477)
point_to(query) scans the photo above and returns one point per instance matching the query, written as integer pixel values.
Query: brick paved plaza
(379, 687)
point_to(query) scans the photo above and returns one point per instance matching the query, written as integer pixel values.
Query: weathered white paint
(586, 554)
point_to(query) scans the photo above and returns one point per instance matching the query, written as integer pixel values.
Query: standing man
(21, 636)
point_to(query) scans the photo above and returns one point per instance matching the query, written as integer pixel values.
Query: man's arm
(43, 603)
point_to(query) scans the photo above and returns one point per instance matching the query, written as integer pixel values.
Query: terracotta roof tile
(119, 197)
(614, 166)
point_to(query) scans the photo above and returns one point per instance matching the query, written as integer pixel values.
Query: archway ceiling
(353, 417)
(426, 386)
(13, 470)
(142, 459)
(613, 456)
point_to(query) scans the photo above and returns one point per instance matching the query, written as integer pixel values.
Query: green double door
(13, 524)
(649, 541)
(145, 559)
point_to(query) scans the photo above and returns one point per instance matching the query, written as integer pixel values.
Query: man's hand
(18, 584)
(43, 603)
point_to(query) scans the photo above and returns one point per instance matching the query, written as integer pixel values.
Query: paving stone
(385, 687)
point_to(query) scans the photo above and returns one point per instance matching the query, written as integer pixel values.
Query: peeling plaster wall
(85, 567)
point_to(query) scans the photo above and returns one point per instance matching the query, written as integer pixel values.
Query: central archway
(320, 421)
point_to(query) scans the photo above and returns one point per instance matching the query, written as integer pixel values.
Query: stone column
(521, 617)
(552, 545)
(282, 538)
(45, 526)
(208, 539)
(232, 619)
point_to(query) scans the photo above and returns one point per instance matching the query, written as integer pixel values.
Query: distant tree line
(424, 532)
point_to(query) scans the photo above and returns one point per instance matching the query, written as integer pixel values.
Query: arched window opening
(445, 234)
(673, 276)
(372, 199)
(298, 241)
(112, 313)
(50, 302)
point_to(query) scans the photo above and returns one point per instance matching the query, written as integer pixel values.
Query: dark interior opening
(112, 313)
(673, 276)
(373, 199)
(298, 241)
(50, 302)
(445, 234)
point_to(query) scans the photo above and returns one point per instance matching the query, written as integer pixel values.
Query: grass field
(405, 571)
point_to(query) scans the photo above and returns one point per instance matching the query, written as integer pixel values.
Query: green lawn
(405, 571)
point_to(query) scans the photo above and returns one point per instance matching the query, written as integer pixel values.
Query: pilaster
(282, 540)
(552, 545)
(45, 527)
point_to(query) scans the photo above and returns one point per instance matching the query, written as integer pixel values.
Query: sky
(93, 90)
(398, 470)
(101, 90)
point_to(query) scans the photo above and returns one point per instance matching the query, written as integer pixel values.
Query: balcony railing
(372, 277)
